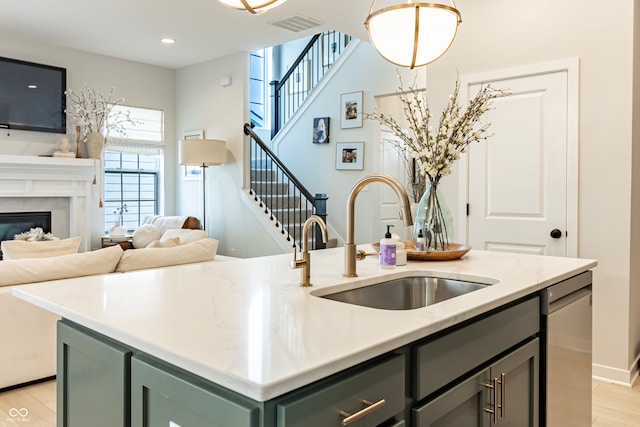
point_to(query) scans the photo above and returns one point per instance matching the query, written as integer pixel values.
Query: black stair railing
(310, 66)
(287, 202)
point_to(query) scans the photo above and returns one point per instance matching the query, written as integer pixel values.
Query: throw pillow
(185, 235)
(19, 271)
(16, 249)
(169, 243)
(35, 235)
(144, 235)
(202, 250)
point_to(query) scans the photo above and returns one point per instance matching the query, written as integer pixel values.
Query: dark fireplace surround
(12, 223)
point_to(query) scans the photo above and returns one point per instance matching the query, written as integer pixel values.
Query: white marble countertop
(248, 326)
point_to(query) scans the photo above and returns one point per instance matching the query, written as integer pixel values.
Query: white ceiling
(203, 29)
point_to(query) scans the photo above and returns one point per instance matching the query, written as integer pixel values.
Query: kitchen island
(246, 331)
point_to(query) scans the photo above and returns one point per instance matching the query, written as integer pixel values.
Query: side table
(125, 241)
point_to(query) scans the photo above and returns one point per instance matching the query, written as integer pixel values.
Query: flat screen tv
(32, 96)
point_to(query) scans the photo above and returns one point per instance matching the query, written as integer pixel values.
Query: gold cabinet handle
(370, 407)
(503, 395)
(493, 385)
(498, 405)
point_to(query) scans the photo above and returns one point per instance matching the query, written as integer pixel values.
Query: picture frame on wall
(321, 130)
(351, 110)
(350, 156)
(332, 44)
(299, 81)
(193, 172)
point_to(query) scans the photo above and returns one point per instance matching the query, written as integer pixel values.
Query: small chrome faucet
(350, 247)
(305, 262)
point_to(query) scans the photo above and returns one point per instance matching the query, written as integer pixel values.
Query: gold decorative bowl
(455, 251)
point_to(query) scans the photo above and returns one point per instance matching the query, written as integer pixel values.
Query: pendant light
(254, 6)
(412, 34)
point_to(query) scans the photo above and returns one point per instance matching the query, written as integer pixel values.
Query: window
(131, 179)
(259, 74)
(132, 168)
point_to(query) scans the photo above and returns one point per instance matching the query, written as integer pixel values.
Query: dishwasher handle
(561, 289)
(565, 301)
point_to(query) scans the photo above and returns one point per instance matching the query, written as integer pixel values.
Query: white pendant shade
(253, 6)
(412, 34)
(203, 152)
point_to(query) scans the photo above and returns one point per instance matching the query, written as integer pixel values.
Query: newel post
(275, 108)
(321, 210)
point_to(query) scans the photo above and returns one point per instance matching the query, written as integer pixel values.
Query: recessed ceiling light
(167, 40)
(32, 86)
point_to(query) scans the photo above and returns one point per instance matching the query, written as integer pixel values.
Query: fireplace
(12, 223)
(60, 186)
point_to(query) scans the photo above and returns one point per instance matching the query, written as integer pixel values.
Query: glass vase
(434, 218)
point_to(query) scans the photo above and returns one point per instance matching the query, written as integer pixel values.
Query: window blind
(145, 135)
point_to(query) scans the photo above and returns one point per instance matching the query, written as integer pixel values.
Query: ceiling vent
(297, 23)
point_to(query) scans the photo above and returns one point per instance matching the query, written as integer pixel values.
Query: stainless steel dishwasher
(566, 322)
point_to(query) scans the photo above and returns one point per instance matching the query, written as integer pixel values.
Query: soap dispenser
(388, 250)
(420, 241)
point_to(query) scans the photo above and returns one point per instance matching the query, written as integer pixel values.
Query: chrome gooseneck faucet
(305, 262)
(350, 247)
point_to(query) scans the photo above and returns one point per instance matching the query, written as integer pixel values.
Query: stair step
(263, 163)
(271, 187)
(291, 221)
(292, 216)
(263, 175)
(281, 201)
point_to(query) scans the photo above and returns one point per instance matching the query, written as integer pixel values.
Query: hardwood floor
(613, 406)
(33, 406)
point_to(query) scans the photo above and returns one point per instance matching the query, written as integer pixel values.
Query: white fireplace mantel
(34, 176)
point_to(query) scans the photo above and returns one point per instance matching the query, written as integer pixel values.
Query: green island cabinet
(480, 373)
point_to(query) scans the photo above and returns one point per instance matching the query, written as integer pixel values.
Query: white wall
(314, 164)
(285, 54)
(202, 103)
(140, 84)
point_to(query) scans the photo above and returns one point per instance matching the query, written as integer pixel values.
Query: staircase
(283, 199)
(315, 60)
(280, 203)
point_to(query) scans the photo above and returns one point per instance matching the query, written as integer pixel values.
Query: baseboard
(617, 376)
(28, 383)
(263, 220)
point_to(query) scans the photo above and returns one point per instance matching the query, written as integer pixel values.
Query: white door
(393, 165)
(518, 183)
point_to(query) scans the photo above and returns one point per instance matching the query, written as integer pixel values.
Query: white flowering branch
(435, 150)
(94, 112)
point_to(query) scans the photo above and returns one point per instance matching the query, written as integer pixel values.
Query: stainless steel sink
(406, 293)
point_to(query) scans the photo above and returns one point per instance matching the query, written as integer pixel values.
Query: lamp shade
(254, 6)
(412, 34)
(203, 152)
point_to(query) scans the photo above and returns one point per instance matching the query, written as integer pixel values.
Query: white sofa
(28, 333)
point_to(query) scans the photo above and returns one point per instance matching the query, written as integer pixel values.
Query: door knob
(555, 233)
